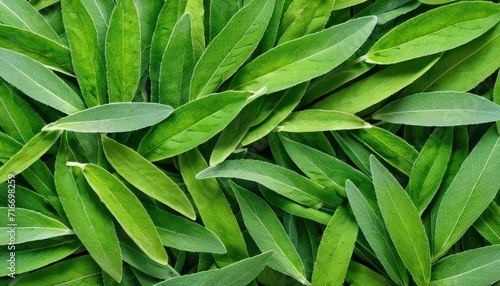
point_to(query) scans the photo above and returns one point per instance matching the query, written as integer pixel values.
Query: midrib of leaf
(78, 279)
(392, 149)
(17, 16)
(48, 247)
(463, 273)
(468, 197)
(438, 111)
(7, 111)
(101, 13)
(495, 231)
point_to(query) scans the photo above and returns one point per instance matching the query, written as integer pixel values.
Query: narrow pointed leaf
(123, 52)
(38, 82)
(221, 12)
(358, 274)
(113, 117)
(100, 13)
(403, 223)
(269, 234)
(437, 32)
(314, 120)
(146, 177)
(488, 224)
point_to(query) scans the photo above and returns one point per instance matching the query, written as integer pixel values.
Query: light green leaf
(146, 177)
(488, 224)
(27, 225)
(29, 153)
(231, 48)
(196, 9)
(281, 180)
(126, 209)
(437, 31)
(367, 212)
(496, 99)
(192, 124)
(38, 82)
(40, 4)
(183, 234)
(439, 109)
(469, 194)
(100, 13)
(113, 117)
(221, 12)
(373, 89)
(212, 205)
(478, 266)
(325, 50)
(341, 4)
(436, 2)
(403, 223)
(90, 219)
(123, 52)
(355, 150)
(239, 273)
(50, 53)
(314, 120)
(430, 167)
(358, 274)
(269, 234)
(87, 56)
(271, 33)
(388, 10)
(335, 249)
(81, 270)
(27, 199)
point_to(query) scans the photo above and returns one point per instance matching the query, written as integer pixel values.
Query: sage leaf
(488, 224)
(221, 12)
(439, 109)
(314, 120)
(358, 274)
(113, 117)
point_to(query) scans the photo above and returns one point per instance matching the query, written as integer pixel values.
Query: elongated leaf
(440, 109)
(183, 234)
(81, 270)
(146, 177)
(212, 205)
(221, 12)
(358, 274)
(488, 224)
(355, 150)
(436, 32)
(27, 199)
(239, 273)
(88, 58)
(325, 50)
(126, 209)
(196, 9)
(271, 33)
(314, 120)
(90, 219)
(430, 167)
(113, 117)
(367, 212)
(192, 124)
(22, 15)
(29, 153)
(403, 223)
(341, 4)
(27, 225)
(100, 13)
(231, 48)
(123, 52)
(281, 180)
(390, 147)
(47, 51)
(335, 249)
(38, 82)
(381, 85)
(478, 267)
(469, 194)
(496, 99)
(268, 233)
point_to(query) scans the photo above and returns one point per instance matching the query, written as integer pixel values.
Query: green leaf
(388, 10)
(81, 270)
(373, 89)
(90, 220)
(335, 249)
(146, 177)
(27, 225)
(126, 209)
(100, 13)
(430, 167)
(488, 224)
(38, 82)
(231, 48)
(403, 223)
(221, 12)
(341, 4)
(271, 33)
(437, 31)
(436, 2)
(439, 109)
(192, 124)
(123, 52)
(281, 180)
(29, 153)
(113, 117)
(239, 273)
(496, 99)
(212, 205)
(469, 194)
(269, 234)
(27, 199)
(314, 120)
(325, 50)
(88, 58)
(355, 151)
(358, 274)
(393, 149)
(367, 212)
(183, 234)
(478, 267)
(50, 53)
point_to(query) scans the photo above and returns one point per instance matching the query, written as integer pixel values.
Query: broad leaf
(314, 120)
